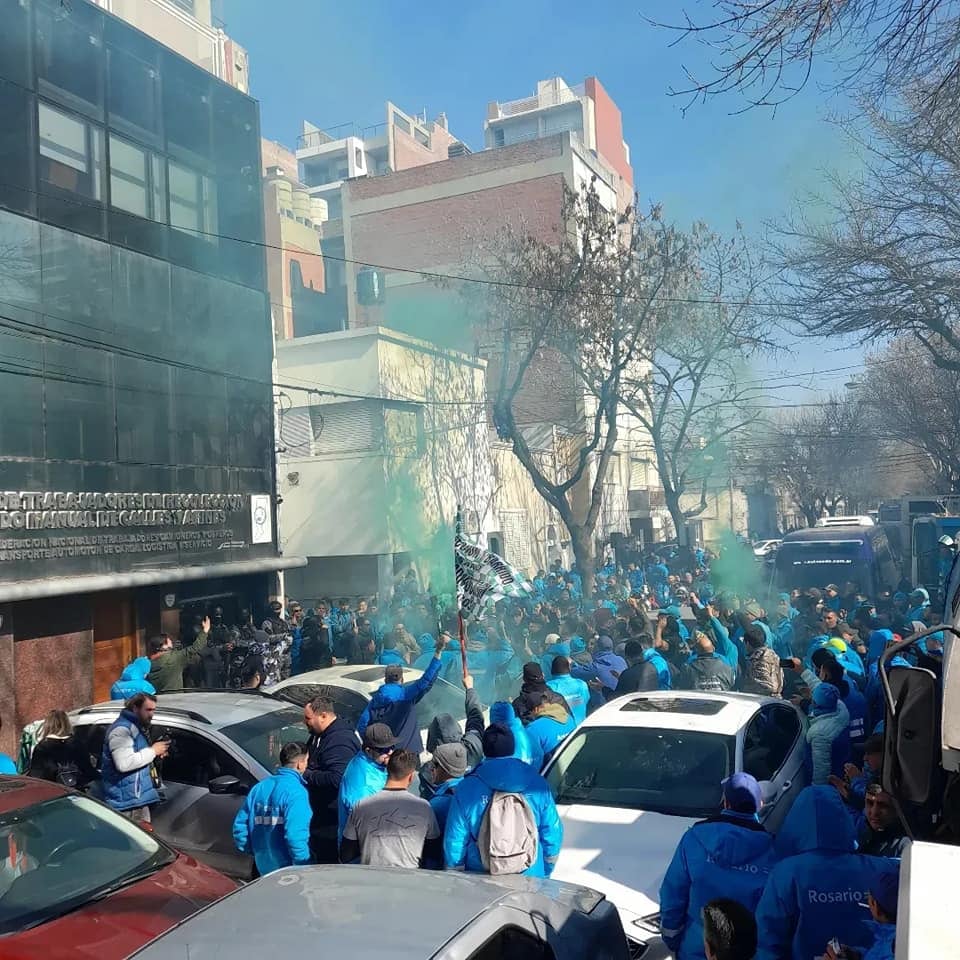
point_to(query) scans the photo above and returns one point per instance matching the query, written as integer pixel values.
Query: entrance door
(114, 639)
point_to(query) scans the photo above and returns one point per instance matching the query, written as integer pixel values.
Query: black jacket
(328, 754)
(57, 758)
(889, 843)
(707, 673)
(445, 729)
(522, 707)
(638, 678)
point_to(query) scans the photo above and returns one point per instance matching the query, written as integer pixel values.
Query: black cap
(533, 673)
(498, 741)
(378, 736)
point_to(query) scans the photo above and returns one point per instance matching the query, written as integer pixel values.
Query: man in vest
(130, 779)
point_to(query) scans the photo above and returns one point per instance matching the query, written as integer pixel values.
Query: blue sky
(335, 63)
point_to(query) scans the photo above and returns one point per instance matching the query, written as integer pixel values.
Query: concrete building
(189, 28)
(137, 434)
(293, 225)
(376, 466)
(587, 111)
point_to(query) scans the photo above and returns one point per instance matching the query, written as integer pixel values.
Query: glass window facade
(135, 351)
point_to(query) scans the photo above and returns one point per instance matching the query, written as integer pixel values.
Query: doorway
(115, 641)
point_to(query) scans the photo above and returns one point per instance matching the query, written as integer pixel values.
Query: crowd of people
(358, 793)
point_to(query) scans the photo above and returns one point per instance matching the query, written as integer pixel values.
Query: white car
(351, 686)
(765, 548)
(643, 768)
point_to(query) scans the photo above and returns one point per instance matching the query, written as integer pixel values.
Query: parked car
(404, 914)
(765, 549)
(351, 687)
(222, 743)
(642, 769)
(78, 880)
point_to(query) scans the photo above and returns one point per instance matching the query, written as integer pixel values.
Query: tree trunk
(677, 515)
(810, 514)
(583, 551)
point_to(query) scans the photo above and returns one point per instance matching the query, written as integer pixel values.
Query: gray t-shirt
(391, 827)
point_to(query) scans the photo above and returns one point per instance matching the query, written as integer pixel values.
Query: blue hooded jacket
(546, 732)
(816, 889)
(441, 800)
(879, 640)
(730, 855)
(394, 704)
(426, 643)
(470, 802)
(503, 713)
(884, 937)
(575, 692)
(664, 677)
(362, 778)
(133, 680)
(554, 650)
(389, 657)
(274, 822)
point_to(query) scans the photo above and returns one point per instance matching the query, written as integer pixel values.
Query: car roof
(359, 911)
(217, 708)
(363, 678)
(18, 792)
(723, 713)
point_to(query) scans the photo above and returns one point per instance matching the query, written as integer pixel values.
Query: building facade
(137, 438)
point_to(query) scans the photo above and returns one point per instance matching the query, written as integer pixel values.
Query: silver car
(404, 914)
(222, 743)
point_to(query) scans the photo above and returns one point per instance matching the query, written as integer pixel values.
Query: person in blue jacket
(656, 659)
(817, 889)
(828, 735)
(274, 822)
(366, 773)
(878, 642)
(394, 703)
(554, 647)
(503, 773)
(727, 855)
(426, 643)
(133, 680)
(550, 724)
(502, 713)
(884, 894)
(919, 601)
(574, 691)
(390, 655)
(449, 769)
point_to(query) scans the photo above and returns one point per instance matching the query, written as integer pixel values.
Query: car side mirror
(227, 784)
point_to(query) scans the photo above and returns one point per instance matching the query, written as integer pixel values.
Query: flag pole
(463, 642)
(458, 531)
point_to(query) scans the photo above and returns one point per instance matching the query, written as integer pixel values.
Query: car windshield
(264, 737)
(443, 697)
(667, 771)
(349, 704)
(63, 853)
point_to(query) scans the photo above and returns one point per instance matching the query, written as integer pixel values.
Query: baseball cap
(835, 643)
(825, 697)
(393, 673)
(742, 793)
(885, 889)
(533, 673)
(551, 638)
(452, 758)
(378, 736)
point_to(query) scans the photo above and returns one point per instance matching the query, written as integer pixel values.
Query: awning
(61, 586)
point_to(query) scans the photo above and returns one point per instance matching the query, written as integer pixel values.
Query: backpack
(508, 839)
(68, 774)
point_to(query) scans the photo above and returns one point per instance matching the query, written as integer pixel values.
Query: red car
(79, 881)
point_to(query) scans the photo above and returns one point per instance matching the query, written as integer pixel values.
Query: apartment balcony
(540, 101)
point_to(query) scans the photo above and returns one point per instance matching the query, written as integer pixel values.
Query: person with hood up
(133, 680)
(784, 633)
(817, 888)
(503, 713)
(550, 724)
(657, 660)
(445, 730)
(500, 773)
(608, 665)
(389, 655)
(727, 855)
(394, 703)
(828, 734)
(574, 691)
(706, 671)
(426, 643)
(882, 903)
(878, 643)
(554, 647)
(534, 688)
(366, 773)
(919, 601)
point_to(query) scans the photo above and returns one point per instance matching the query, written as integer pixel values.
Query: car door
(191, 817)
(773, 753)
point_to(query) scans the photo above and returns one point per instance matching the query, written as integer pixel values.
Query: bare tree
(691, 394)
(889, 262)
(562, 319)
(823, 456)
(765, 49)
(918, 406)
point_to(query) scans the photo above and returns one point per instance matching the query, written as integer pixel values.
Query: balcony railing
(551, 98)
(318, 138)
